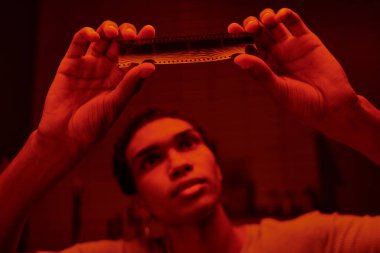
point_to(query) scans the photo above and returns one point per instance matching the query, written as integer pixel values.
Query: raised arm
(308, 82)
(88, 93)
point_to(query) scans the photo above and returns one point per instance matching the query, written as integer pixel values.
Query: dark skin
(298, 58)
(89, 92)
(307, 81)
(86, 96)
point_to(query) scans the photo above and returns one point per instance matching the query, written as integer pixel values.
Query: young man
(176, 175)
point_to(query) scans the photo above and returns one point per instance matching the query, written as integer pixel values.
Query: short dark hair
(121, 169)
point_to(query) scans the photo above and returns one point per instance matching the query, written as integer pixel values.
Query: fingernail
(94, 35)
(251, 22)
(112, 26)
(266, 13)
(244, 64)
(129, 34)
(251, 26)
(112, 30)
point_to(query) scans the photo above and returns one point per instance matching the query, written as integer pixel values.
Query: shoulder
(273, 227)
(315, 231)
(316, 221)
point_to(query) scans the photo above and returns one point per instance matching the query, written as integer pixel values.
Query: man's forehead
(157, 131)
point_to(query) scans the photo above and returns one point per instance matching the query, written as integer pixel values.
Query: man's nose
(178, 164)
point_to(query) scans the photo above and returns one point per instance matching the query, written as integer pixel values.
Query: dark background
(272, 165)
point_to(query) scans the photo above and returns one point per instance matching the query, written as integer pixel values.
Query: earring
(152, 228)
(147, 228)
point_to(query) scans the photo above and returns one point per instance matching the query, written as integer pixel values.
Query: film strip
(185, 49)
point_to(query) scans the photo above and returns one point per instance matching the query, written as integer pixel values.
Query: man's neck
(214, 234)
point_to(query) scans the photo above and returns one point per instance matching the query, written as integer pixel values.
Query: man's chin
(196, 211)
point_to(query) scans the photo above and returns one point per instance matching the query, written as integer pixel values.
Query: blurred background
(273, 166)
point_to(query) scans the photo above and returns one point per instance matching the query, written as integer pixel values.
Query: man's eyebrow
(153, 147)
(184, 133)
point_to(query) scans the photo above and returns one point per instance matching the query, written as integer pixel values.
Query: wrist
(357, 126)
(59, 145)
(39, 165)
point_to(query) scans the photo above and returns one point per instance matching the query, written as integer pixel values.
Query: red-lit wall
(278, 157)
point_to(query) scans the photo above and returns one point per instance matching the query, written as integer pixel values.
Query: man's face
(176, 174)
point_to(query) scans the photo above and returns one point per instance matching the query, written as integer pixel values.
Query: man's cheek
(153, 189)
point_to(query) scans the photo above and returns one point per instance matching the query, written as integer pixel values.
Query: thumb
(260, 72)
(255, 66)
(131, 83)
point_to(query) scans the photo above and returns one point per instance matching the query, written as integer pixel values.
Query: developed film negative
(185, 49)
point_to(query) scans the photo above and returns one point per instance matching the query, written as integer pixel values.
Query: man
(89, 92)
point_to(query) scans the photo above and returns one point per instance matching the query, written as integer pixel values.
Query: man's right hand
(89, 90)
(88, 93)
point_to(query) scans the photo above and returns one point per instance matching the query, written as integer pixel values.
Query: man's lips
(183, 185)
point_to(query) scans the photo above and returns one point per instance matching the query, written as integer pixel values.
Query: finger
(264, 38)
(235, 28)
(130, 84)
(277, 30)
(113, 51)
(292, 21)
(260, 72)
(107, 31)
(127, 31)
(252, 25)
(267, 18)
(147, 32)
(80, 42)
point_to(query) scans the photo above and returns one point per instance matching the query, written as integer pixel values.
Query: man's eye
(150, 161)
(188, 142)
